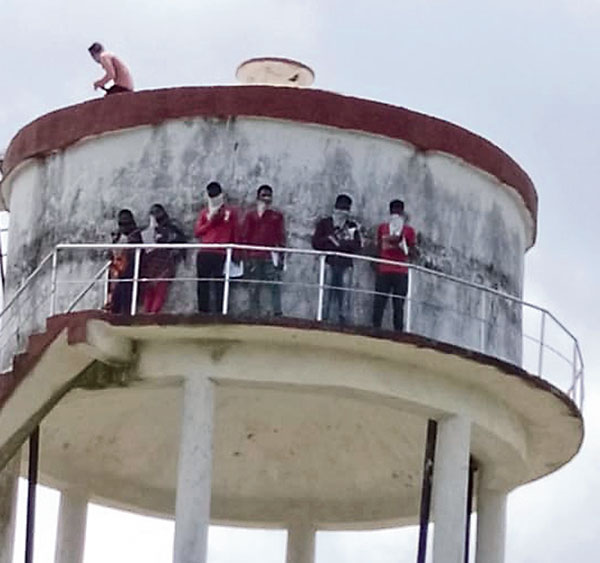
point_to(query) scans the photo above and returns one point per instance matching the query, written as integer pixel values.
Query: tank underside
(305, 418)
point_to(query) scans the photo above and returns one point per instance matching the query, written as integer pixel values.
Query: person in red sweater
(217, 223)
(396, 241)
(264, 226)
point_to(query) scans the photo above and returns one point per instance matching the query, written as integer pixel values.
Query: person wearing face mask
(160, 263)
(338, 233)
(264, 226)
(396, 240)
(217, 223)
(122, 264)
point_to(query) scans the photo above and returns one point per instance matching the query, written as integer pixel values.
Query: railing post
(228, 256)
(574, 374)
(136, 276)
(408, 321)
(541, 354)
(482, 316)
(321, 287)
(53, 282)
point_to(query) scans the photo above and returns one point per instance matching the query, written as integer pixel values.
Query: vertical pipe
(482, 316)
(228, 256)
(53, 282)
(409, 291)
(470, 486)
(541, 354)
(34, 444)
(136, 276)
(321, 287)
(426, 489)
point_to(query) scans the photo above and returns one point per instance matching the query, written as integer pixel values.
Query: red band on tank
(64, 127)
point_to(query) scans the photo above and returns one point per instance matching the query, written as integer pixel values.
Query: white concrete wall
(469, 225)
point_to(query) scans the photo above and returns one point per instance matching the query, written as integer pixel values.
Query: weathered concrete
(449, 494)
(469, 224)
(491, 523)
(192, 509)
(72, 520)
(368, 399)
(9, 481)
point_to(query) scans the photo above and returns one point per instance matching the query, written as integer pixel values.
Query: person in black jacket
(339, 233)
(122, 264)
(160, 263)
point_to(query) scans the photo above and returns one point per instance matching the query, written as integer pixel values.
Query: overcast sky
(522, 73)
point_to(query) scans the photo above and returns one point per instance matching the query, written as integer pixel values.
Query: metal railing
(491, 321)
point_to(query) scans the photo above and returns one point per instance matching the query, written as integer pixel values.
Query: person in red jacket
(396, 241)
(217, 223)
(264, 226)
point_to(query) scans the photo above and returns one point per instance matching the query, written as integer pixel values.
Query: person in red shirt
(264, 226)
(396, 241)
(217, 223)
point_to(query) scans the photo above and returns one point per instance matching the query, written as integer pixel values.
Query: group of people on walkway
(262, 225)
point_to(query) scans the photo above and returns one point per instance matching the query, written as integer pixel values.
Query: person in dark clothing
(396, 240)
(340, 233)
(160, 263)
(122, 264)
(217, 223)
(264, 226)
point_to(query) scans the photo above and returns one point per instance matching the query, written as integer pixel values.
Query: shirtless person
(115, 68)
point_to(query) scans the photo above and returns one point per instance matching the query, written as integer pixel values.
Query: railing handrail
(305, 251)
(230, 248)
(26, 283)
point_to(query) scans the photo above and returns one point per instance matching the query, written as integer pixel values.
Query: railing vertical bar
(541, 352)
(136, 276)
(53, 282)
(483, 317)
(409, 291)
(228, 256)
(322, 258)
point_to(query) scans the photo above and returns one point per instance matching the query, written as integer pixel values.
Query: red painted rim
(61, 128)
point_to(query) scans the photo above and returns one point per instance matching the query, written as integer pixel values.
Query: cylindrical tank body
(471, 222)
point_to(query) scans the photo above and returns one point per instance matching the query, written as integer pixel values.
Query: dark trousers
(397, 285)
(116, 89)
(209, 265)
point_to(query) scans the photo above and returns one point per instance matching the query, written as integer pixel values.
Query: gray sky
(522, 74)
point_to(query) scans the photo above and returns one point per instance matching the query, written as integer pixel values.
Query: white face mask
(396, 224)
(153, 223)
(340, 216)
(215, 202)
(261, 207)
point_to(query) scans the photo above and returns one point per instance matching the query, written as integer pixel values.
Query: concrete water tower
(283, 422)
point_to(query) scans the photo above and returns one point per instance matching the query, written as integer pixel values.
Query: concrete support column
(449, 494)
(192, 508)
(491, 524)
(301, 542)
(9, 481)
(72, 519)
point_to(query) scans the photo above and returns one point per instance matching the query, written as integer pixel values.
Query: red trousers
(155, 295)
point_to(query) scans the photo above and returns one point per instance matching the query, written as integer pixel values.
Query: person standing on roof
(115, 70)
